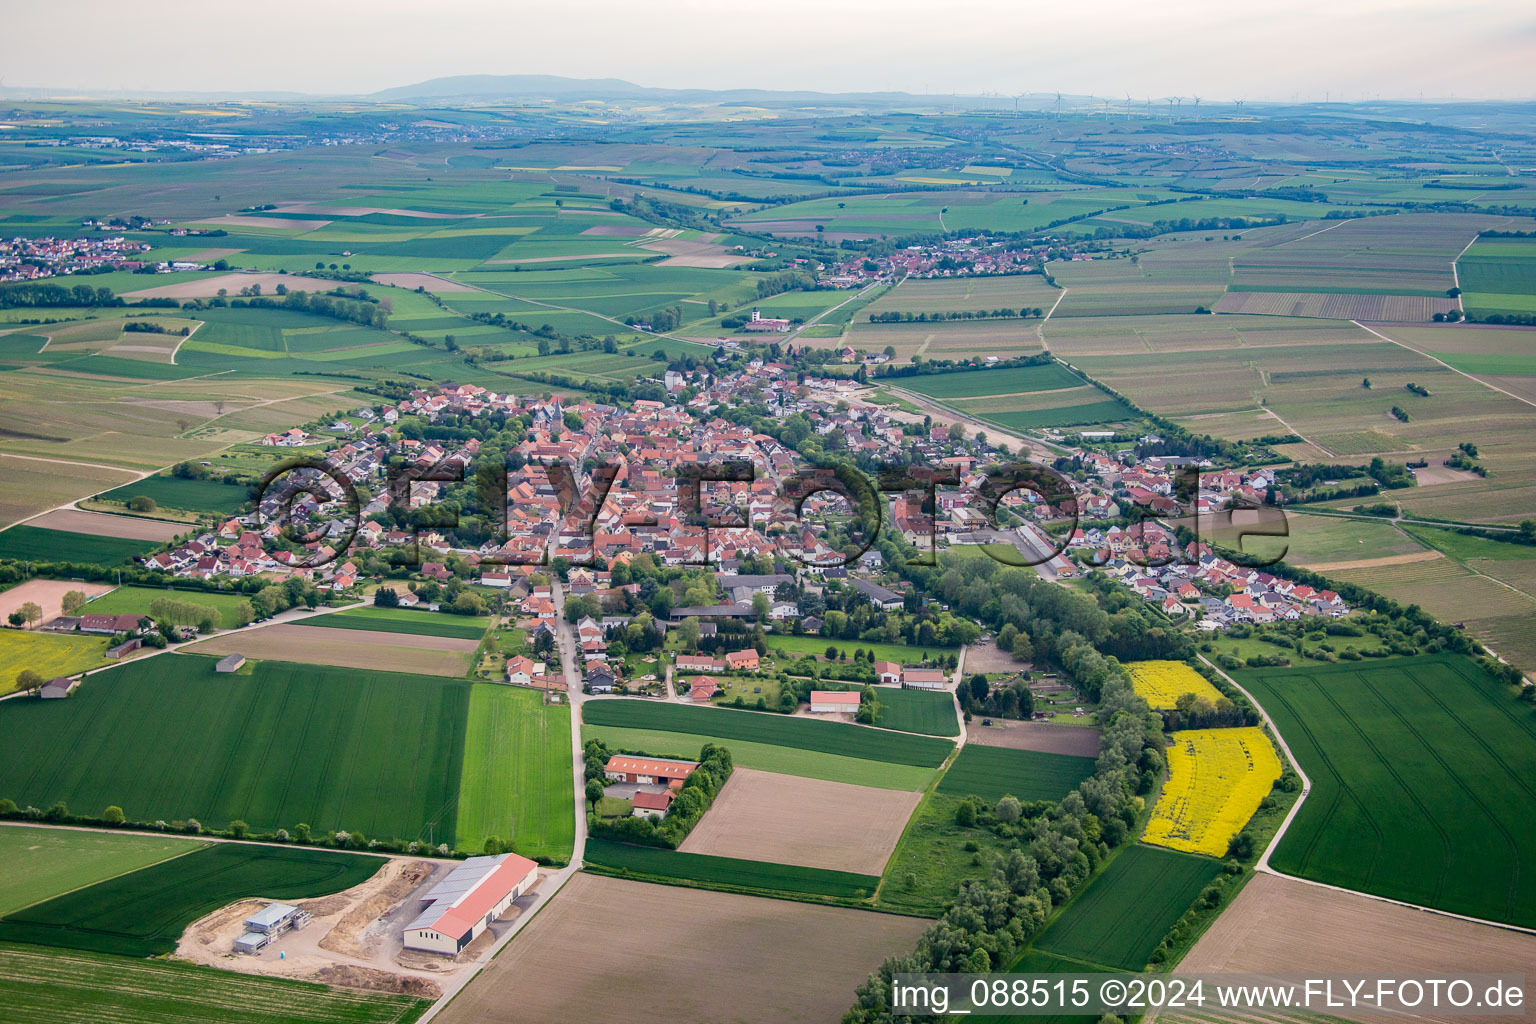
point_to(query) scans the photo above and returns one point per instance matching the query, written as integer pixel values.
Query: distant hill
(494, 88)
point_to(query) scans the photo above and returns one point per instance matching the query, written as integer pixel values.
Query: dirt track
(1281, 924)
(785, 819)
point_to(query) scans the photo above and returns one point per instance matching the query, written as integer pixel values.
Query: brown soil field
(693, 254)
(991, 658)
(1042, 736)
(786, 819)
(618, 230)
(1431, 475)
(304, 209)
(232, 283)
(1279, 924)
(46, 594)
(1375, 563)
(100, 525)
(609, 950)
(34, 485)
(430, 282)
(293, 223)
(348, 648)
(1417, 308)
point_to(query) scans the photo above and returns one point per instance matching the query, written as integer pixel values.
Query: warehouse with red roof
(464, 904)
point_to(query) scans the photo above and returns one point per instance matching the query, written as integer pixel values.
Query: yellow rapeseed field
(1216, 779)
(1162, 683)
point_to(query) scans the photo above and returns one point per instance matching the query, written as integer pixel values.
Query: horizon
(1420, 51)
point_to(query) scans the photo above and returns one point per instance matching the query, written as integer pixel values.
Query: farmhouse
(742, 660)
(230, 663)
(888, 671)
(648, 771)
(835, 702)
(702, 688)
(472, 896)
(646, 804)
(923, 679)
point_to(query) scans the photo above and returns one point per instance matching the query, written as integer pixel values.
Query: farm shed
(648, 771)
(230, 663)
(835, 702)
(53, 689)
(923, 679)
(888, 671)
(472, 896)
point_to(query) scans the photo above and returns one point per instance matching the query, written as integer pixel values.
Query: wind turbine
(1197, 108)
(1058, 104)
(1239, 108)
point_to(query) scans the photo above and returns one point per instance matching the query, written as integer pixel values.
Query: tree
(965, 815)
(760, 606)
(1022, 648)
(688, 634)
(239, 829)
(1009, 809)
(301, 833)
(73, 602)
(29, 681)
(594, 792)
(494, 846)
(16, 619)
(244, 614)
(1366, 383)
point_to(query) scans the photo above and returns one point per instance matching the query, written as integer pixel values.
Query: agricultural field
(1148, 286)
(55, 986)
(778, 730)
(1451, 833)
(97, 524)
(1012, 380)
(1498, 275)
(947, 339)
(1162, 683)
(48, 654)
(35, 484)
(174, 492)
(679, 867)
(48, 595)
(818, 646)
(813, 823)
(548, 973)
(284, 744)
(318, 644)
(37, 544)
(515, 784)
(1216, 780)
(994, 772)
(1119, 919)
(934, 856)
(143, 912)
(130, 599)
(764, 756)
(1042, 736)
(923, 711)
(42, 863)
(964, 295)
(404, 622)
(1279, 920)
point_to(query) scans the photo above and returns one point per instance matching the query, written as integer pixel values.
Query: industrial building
(472, 896)
(262, 927)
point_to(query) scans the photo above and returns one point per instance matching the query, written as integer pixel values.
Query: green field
(810, 764)
(924, 711)
(516, 782)
(41, 863)
(189, 495)
(1008, 381)
(144, 912)
(993, 772)
(38, 544)
(934, 856)
(394, 620)
(777, 730)
(48, 654)
(57, 986)
(376, 752)
(1120, 918)
(817, 645)
(652, 862)
(1423, 775)
(129, 599)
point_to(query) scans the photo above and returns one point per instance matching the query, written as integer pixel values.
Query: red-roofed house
(702, 688)
(646, 804)
(472, 896)
(742, 660)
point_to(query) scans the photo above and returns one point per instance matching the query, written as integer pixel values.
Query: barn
(648, 771)
(923, 679)
(835, 702)
(472, 896)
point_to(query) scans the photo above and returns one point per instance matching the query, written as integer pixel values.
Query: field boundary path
(555, 880)
(1445, 364)
(1306, 788)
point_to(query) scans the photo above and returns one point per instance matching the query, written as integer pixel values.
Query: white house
(472, 896)
(835, 702)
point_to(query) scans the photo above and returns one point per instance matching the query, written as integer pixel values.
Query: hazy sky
(1214, 48)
